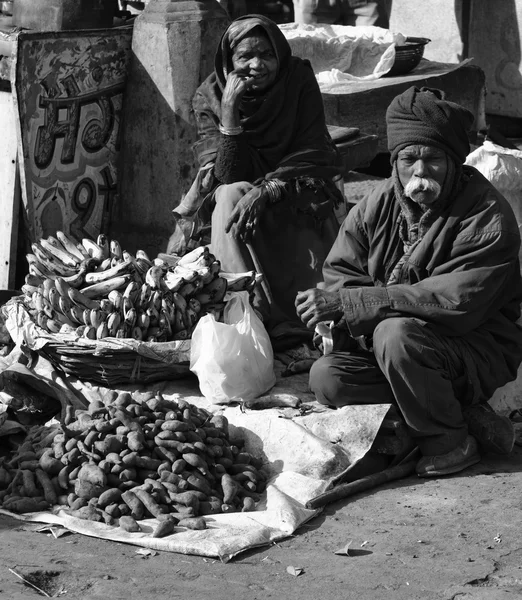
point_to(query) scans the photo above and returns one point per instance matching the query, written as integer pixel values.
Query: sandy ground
(450, 538)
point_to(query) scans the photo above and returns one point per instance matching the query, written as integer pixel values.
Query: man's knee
(392, 337)
(324, 383)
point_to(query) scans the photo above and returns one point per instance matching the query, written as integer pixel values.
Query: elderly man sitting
(422, 289)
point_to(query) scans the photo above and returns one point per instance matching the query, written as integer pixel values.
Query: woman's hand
(244, 219)
(237, 85)
(315, 305)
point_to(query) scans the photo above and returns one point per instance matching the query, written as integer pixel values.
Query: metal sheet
(68, 89)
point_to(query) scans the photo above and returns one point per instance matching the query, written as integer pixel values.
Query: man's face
(422, 171)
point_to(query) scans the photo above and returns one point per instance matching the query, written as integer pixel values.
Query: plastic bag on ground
(233, 360)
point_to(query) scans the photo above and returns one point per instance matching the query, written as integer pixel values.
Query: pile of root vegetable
(94, 289)
(134, 457)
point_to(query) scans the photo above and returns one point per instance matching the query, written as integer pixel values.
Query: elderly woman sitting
(266, 164)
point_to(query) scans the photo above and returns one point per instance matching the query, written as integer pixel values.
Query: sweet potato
(110, 496)
(49, 464)
(229, 487)
(165, 527)
(93, 474)
(148, 501)
(135, 505)
(26, 505)
(29, 483)
(193, 523)
(48, 488)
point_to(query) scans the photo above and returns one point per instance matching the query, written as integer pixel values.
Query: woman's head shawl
(285, 127)
(237, 31)
(423, 116)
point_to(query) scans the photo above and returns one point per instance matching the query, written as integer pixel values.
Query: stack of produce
(97, 290)
(134, 457)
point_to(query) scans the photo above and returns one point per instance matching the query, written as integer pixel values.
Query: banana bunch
(97, 290)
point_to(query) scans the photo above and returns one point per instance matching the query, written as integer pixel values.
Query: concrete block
(173, 51)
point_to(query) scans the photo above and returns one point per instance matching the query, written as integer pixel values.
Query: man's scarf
(426, 118)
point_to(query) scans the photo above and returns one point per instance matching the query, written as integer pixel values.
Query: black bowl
(408, 56)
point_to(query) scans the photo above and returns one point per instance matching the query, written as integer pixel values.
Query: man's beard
(422, 190)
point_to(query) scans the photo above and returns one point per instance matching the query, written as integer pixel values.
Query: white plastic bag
(233, 360)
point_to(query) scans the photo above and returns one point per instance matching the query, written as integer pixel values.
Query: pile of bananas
(96, 290)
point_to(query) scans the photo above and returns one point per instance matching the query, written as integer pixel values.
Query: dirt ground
(451, 538)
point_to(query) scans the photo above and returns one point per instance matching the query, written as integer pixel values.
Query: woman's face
(255, 57)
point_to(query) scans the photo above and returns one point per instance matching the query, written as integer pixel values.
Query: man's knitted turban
(424, 117)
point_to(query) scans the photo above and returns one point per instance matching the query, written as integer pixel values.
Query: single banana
(89, 332)
(130, 317)
(102, 331)
(41, 320)
(39, 270)
(47, 286)
(54, 299)
(65, 328)
(104, 243)
(145, 294)
(62, 319)
(154, 277)
(34, 280)
(53, 326)
(153, 315)
(104, 265)
(102, 289)
(76, 314)
(173, 281)
(179, 301)
(143, 265)
(86, 316)
(62, 286)
(156, 300)
(65, 304)
(143, 255)
(189, 275)
(194, 255)
(29, 290)
(113, 323)
(81, 299)
(190, 289)
(137, 334)
(126, 306)
(116, 298)
(164, 323)
(132, 291)
(115, 250)
(143, 320)
(96, 318)
(93, 250)
(120, 333)
(217, 288)
(180, 322)
(122, 268)
(53, 247)
(194, 305)
(183, 334)
(106, 306)
(70, 245)
(80, 330)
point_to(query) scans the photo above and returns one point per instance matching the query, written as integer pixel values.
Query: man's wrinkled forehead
(421, 151)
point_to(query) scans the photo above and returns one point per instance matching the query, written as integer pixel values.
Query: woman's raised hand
(244, 219)
(238, 83)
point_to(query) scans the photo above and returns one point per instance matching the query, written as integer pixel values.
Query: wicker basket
(110, 361)
(112, 366)
(408, 56)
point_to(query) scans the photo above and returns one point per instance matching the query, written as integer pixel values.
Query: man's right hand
(314, 306)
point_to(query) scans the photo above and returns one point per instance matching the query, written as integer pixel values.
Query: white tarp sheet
(343, 53)
(301, 465)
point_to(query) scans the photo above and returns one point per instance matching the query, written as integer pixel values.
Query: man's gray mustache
(422, 184)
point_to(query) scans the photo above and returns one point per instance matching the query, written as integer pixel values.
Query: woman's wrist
(274, 190)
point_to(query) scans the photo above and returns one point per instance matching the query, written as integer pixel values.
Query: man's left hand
(315, 305)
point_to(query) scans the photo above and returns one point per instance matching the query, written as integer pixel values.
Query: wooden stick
(361, 485)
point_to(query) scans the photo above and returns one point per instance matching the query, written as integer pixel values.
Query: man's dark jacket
(463, 278)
